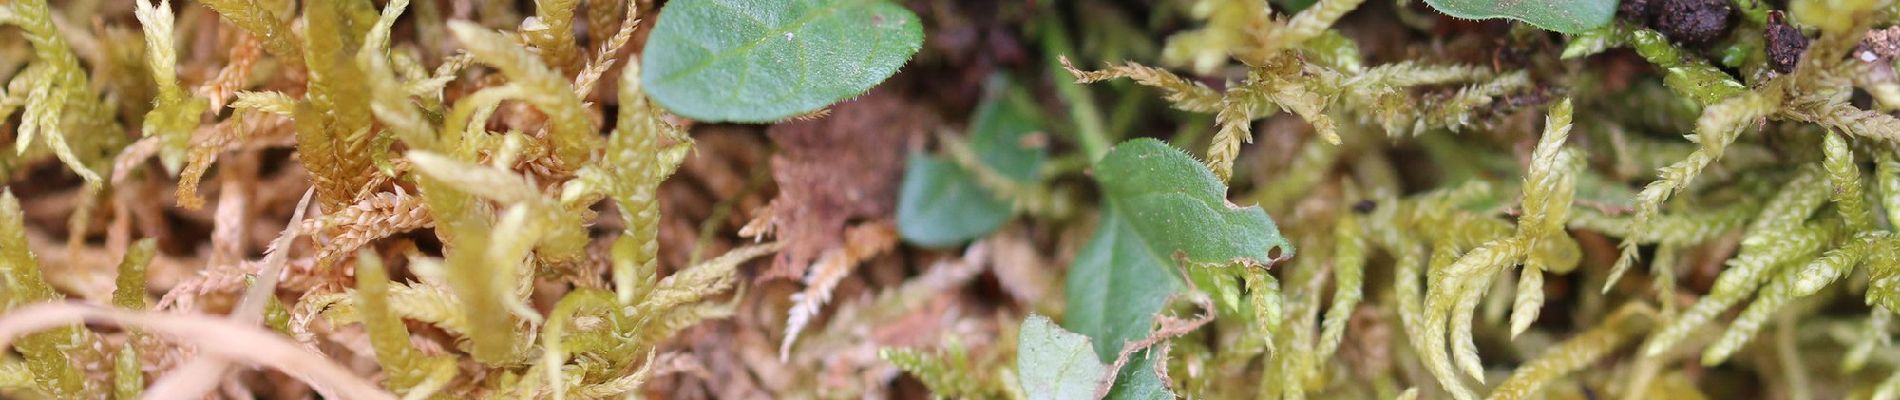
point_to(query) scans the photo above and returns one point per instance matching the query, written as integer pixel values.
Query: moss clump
(497, 209)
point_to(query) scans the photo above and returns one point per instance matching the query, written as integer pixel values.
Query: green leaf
(1137, 380)
(942, 204)
(1293, 6)
(1053, 363)
(998, 135)
(767, 60)
(1567, 16)
(1160, 206)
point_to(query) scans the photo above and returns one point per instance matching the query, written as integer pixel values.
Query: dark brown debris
(1693, 22)
(1634, 10)
(1785, 43)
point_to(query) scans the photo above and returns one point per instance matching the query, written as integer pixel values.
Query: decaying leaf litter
(1211, 198)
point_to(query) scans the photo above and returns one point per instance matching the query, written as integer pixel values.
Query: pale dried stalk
(861, 243)
(200, 376)
(229, 222)
(128, 159)
(219, 338)
(227, 278)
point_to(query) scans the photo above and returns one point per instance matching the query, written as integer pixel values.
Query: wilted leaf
(1055, 363)
(942, 204)
(1160, 206)
(767, 60)
(1567, 16)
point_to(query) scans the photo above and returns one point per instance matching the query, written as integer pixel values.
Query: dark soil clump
(1785, 43)
(1634, 10)
(1693, 22)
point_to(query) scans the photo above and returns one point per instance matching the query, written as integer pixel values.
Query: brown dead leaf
(836, 169)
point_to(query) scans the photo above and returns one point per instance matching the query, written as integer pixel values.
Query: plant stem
(1089, 129)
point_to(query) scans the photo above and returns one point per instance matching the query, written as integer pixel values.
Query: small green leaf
(941, 204)
(1567, 16)
(1160, 206)
(767, 60)
(999, 134)
(1054, 363)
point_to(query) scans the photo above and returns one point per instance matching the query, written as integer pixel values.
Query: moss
(1725, 144)
(54, 357)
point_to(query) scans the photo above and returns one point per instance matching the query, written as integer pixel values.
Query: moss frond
(53, 356)
(552, 31)
(129, 289)
(14, 375)
(1306, 25)
(128, 370)
(642, 151)
(1577, 352)
(946, 371)
(1792, 284)
(405, 367)
(333, 124)
(1281, 78)
(176, 111)
(1849, 195)
(1349, 263)
(60, 103)
(1677, 228)
(259, 20)
(480, 284)
(570, 130)
(1267, 303)
(1208, 47)
(268, 102)
(1746, 272)
(1719, 125)
(1184, 94)
(1310, 166)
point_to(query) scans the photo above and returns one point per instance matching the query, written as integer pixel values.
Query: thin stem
(1089, 129)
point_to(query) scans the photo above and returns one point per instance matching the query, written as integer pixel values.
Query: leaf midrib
(1070, 361)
